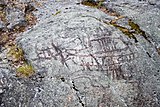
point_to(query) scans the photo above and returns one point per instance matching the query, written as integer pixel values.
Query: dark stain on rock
(62, 79)
(1, 96)
(80, 101)
(126, 31)
(2, 6)
(74, 87)
(137, 29)
(90, 3)
(148, 54)
(29, 8)
(78, 3)
(158, 50)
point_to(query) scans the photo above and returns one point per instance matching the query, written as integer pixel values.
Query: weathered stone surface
(82, 60)
(144, 12)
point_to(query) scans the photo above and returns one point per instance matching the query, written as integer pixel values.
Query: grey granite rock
(142, 12)
(14, 16)
(1, 24)
(83, 61)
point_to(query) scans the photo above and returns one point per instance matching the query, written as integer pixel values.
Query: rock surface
(82, 60)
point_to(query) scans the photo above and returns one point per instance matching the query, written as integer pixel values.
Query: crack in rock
(77, 92)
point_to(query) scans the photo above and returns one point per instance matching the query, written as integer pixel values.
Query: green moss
(94, 4)
(58, 12)
(15, 54)
(25, 70)
(98, 5)
(126, 31)
(134, 26)
(90, 3)
(137, 29)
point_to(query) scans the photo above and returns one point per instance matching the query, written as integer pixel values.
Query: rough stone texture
(144, 12)
(81, 61)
